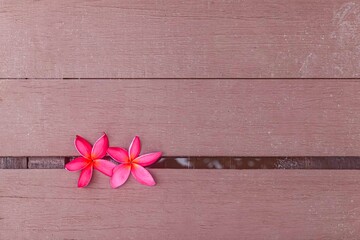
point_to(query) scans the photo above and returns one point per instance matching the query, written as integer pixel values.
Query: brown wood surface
(46, 162)
(186, 204)
(13, 162)
(179, 39)
(183, 117)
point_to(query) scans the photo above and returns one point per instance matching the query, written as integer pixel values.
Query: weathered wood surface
(186, 204)
(179, 39)
(13, 162)
(183, 117)
(46, 162)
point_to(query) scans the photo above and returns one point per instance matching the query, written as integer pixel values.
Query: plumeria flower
(132, 162)
(91, 157)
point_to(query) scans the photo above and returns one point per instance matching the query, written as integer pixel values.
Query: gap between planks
(205, 162)
(188, 78)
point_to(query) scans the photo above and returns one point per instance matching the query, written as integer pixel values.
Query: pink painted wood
(183, 117)
(186, 204)
(180, 39)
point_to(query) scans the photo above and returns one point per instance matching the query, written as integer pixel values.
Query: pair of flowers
(130, 161)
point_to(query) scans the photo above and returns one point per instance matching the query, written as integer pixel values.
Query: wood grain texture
(46, 162)
(186, 204)
(180, 39)
(183, 117)
(13, 162)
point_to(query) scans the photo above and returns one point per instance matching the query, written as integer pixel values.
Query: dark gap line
(172, 78)
(259, 162)
(203, 162)
(201, 78)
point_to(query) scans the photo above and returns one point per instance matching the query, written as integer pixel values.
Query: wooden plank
(180, 39)
(46, 162)
(186, 204)
(183, 117)
(13, 162)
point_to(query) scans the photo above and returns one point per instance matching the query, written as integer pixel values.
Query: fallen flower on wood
(91, 157)
(130, 161)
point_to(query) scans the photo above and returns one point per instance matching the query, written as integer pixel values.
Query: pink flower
(91, 158)
(132, 162)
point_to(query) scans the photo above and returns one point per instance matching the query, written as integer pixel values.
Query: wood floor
(267, 79)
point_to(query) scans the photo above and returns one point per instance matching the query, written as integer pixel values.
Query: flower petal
(120, 175)
(135, 148)
(118, 154)
(104, 166)
(85, 176)
(100, 147)
(83, 146)
(77, 164)
(147, 159)
(142, 175)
